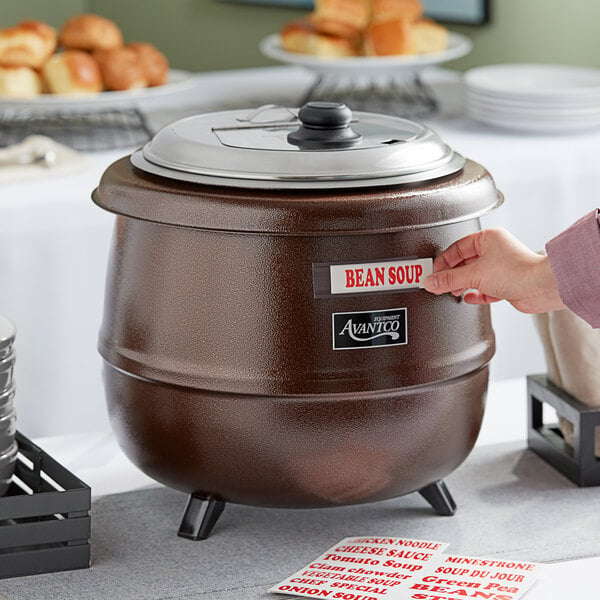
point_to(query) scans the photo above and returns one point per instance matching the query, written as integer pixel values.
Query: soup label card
(462, 577)
(392, 568)
(363, 568)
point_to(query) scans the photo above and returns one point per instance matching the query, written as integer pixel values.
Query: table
(97, 459)
(54, 246)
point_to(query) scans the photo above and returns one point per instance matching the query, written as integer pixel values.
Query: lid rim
(434, 171)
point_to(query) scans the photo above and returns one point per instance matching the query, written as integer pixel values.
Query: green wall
(199, 35)
(202, 35)
(545, 31)
(53, 12)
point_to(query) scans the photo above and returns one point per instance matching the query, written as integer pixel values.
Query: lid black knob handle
(325, 126)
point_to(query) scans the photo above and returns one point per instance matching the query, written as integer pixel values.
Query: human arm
(498, 267)
(574, 258)
(493, 265)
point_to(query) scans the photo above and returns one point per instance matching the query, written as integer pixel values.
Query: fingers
(464, 250)
(453, 280)
(475, 297)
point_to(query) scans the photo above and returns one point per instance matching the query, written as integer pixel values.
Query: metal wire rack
(404, 97)
(85, 131)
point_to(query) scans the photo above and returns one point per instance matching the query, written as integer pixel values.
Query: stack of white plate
(534, 98)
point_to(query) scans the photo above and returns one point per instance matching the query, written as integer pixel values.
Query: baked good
(120, 69)
(401, 36)
(90, 32)
(153, 62)
(383, 10)
(383, 38)
(339, 28)
(303, 37)
(429, 36)
(72, 72)
(346, 18)
(19, 82)
(27, 44)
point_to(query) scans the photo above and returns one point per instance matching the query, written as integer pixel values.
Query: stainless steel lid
(322, 145)
(8, 331)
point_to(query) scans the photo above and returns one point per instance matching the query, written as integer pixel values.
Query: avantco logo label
(370, 329)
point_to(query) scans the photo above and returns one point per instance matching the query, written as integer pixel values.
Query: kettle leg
(438, 495)
(199, 517)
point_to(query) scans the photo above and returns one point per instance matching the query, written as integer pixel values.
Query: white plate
(458, 45)
(572, 100)
(533, 125)
(592, 103)
(535, 82)
(531, 109)
(541, 119)
(178, 81)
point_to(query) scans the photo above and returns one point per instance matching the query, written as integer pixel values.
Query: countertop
(97, 459)
(55, 244)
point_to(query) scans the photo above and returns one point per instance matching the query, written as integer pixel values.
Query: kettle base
(202, 513)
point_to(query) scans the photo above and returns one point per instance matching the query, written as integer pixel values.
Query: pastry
(345, 18)
(401, 36)
(120, 69)
(28, 44)
(388, 37)
(338, 28)
(19, 82)
(304, 37)
(429, 36)
(90, 32)
(383, 10)
(72, 72)
(153, 62)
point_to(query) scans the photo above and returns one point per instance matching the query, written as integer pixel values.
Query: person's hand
(492, 265)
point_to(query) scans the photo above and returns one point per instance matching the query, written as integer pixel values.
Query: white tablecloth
(54, 240)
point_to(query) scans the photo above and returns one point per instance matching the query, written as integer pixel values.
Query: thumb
(448, 280)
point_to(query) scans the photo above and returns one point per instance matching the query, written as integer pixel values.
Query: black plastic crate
(44, 517)
(577, 462)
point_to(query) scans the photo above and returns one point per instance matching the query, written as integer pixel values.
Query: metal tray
(44, 516)
(577, 462)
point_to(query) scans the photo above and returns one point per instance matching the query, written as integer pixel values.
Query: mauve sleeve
(575, 261)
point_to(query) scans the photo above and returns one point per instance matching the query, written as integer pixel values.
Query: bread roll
(72, 72)
(336, 28)
(304, 38)
(429, 36)
(90, 32)
(383, 38)
(120, 69)
(400, 36)
(346, 18)
(153, 62)
(19, 82)
(384, 10)
(28, 44)
(339, 28)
